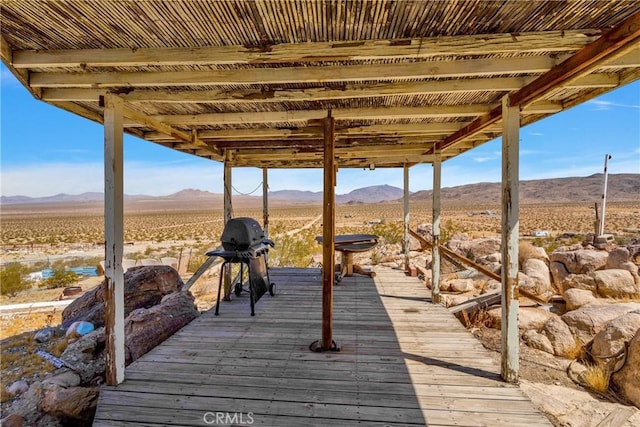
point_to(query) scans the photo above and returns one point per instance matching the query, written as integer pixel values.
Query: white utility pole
(603, 203)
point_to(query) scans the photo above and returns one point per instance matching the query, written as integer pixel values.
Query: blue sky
(45, 151)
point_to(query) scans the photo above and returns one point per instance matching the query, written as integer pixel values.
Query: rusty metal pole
(510, 229)
(328, 234)
(114, 237)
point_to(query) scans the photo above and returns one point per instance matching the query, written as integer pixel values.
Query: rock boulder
(559, 273)
(616, 283)
(618, 257)
(538, 271)
(72, 405)
(528, 317)
(561, 338)
(538, 341)
(146, 328)
(461, 285)
(533, 318)
(579, 281)
(576, 298)
(627, 379)
(613, 337)
(144, 287)
(588, 320)
(480, 248)
(581, 261)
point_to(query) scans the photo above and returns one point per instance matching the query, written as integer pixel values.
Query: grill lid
(241, 234)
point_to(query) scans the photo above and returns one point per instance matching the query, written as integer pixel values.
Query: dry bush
(578, 352)
(596, 377)
(478, 319)
(526, 250)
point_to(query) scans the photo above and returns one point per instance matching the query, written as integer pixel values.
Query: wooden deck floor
(403, 361)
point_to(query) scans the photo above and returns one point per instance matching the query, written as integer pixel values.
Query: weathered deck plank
(403, 361)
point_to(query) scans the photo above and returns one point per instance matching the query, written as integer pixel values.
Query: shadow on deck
(403, 361)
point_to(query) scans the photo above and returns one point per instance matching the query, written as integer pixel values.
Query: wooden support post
(228, 214)
(328, 234)
(510, 229)
(265, 202)
(406, 217)
(435, 262)
(114, 236)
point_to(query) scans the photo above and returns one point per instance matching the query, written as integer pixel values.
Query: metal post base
(316, 347)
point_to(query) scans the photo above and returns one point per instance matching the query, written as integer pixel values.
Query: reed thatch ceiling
(250, 81)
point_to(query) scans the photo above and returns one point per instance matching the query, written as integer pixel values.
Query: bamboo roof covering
(249, 82)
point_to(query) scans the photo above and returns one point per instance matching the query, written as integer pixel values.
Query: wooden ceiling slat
(543, 42)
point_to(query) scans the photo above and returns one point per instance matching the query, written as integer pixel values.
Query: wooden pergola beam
(315, 145)
(468, 68)
(311, 132)
(190, 139)
(391, 151)
(483, 44)
(617, 42)
(387, 113)
(314, 160)
(259, 96)
(284, 75)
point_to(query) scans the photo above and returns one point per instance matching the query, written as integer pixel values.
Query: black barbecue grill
(243, 242)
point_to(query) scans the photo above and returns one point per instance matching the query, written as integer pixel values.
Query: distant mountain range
(621, 187)
(373, 194)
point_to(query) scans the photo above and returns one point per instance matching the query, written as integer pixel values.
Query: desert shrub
(60, 279)
(596, 377)
(375, 257)
(389, 232)
(36, 266)
(548, 243)
(448, 230)
(195, 261)
(293, 251)
(12, 279)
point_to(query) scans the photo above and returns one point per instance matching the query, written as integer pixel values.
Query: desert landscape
(184, 227)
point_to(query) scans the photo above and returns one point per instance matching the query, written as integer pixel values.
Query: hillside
(621, 187)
